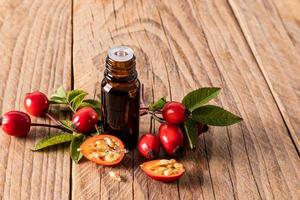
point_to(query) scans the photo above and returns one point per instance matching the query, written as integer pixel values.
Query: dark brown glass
(120, 94)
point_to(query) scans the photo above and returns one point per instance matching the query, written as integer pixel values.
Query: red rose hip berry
(172, 139)
(15, 123)
(85, 119)
(149, 146)
(36, 103)
(174, 112)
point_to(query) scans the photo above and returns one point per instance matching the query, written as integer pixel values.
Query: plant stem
(161, 120)
(157, 112)
(50, 126)
(153, 115)
(58, 123)
(143, 113)
(71, 108)
(53, 119)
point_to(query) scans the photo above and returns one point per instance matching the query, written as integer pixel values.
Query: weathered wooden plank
(35, 54)
(289, 16)
(181, 46)
(89, 180)
(239, 160)
(274, 41)
(95, 30)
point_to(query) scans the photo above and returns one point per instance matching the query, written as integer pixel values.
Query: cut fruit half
(103, 149)
(163, 169)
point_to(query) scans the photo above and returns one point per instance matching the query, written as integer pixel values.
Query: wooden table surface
(249, 48)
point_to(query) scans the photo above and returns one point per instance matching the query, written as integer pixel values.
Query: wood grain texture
(248, 48)
(35, 54)
(289, 16)
(274, 41)
(181, 46)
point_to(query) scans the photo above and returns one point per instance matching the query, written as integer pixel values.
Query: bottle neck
(120, 71)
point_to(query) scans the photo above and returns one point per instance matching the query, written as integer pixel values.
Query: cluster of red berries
(17, 123)
(170, 135)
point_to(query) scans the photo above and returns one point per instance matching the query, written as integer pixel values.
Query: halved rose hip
(163, 169)
(103, 149)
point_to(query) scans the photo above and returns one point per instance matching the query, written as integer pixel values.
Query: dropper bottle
(120, 95)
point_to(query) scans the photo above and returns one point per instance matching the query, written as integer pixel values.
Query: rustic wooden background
(249, 48)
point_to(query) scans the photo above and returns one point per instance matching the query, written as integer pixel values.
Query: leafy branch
(199, 112)
(74, 99)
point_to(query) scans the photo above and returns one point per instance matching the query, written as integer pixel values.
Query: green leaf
(191, 131)
(91, 103)
(159, 104)
(53, 140)
(61, 92)
(57, 100)
(199, 97)
(75, 144)
(73, 94)
(215, 116)
(59, 97)
(77, 101)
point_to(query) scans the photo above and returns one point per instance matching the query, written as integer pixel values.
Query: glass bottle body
(120, 95)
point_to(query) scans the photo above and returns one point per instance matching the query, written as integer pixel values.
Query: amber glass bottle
(120, 94)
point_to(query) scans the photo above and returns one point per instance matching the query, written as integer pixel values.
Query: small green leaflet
(159, 104)
(67, 124)
(75, 144)
(59, 97)
(199, 97)
(75, 99)
(215, 116)
(72, 94)
(61, 92)
(91, 103)
(53, 140)
(76, 102)
(57, 100)
(191, 130)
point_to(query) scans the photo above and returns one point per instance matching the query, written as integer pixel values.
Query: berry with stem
(15, 123)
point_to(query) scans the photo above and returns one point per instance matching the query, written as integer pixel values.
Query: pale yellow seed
(160, 170)
(95, 155)
(111, 156)
(115, 176)
(101, 147)
(168, 172)
(109, 142)
(163, 162)
(102, 154)
(169, 166)
(175, 171)
(178, 165)
(172, 161)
